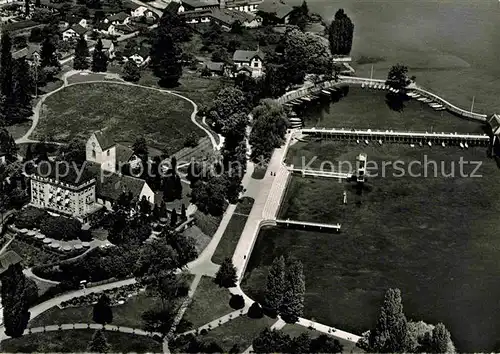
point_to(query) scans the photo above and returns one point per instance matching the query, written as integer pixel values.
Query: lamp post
(37, 62)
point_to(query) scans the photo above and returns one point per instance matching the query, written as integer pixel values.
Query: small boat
(421, 99)
(380, 141)
(420, 143)
(362, 85)
(326, 92)
(466, 146)
(461, 145)
(429, 143)
(366, 142)
(357, 141)
(412, 145)
(442, 144)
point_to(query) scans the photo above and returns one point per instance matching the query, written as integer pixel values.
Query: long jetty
(309, 225)
(318, 173)
(399, 136)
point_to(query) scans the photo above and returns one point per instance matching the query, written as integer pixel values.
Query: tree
(99, 58)
(6, 65)
(325, 344)
(22, 90)
(209, 196)
(166, 57)
(220, 55)
(140, 148)
(158, 320)
(391, 332)
(300, 16)
(8, 144)
(397, 77)
(36, 35)
(226, 275)
(131, 71)
(292, 305)
(269, 128)
(301, 344)
(271, 341)
(102, 312)
(275, 286)
(15, 301)
(48, 56)
(37, 3)
(440, 340)
(144, 206)
(73, 152)
(183, 212)
(184, 246)
(99, 344)
(237, 302)
(227, 105)
(173, 218)
(341, 34)
(156, 257)
(81, 61)
(255, 311)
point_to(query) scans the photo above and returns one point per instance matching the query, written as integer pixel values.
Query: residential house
(74, 32)
(249, 61)
(198, 5)
(226, 18)
(121, 18)
(31, 53)
(216, 69)
(108, 47)
(54, 7)
(140, 56)
(278, 10)
(101, 149)
(106, 29)
(64, 189)
(248, 6)
(136, 10)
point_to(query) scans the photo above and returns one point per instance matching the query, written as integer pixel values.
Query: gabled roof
(214, 66)
(104, 26)
(247, 55)
(110, 187)
(200, 3)
(104, 138)
(123, 153)
(494, 122)
(142, 52)
(78, 29)
(245, 68)
(7, 259)
(279, 8)
(63, 172)
(120, 16)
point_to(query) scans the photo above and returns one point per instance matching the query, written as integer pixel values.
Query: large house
(277, 10)
(108, 47)
(137, 10)
(101, 149)
(249, 6)
(61, 188)
(121, 18)
(74, 32)
(249, 61)
(198, 5)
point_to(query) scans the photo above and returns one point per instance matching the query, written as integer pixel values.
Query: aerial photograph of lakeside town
(249, 176)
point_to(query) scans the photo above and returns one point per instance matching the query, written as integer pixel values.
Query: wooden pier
(309, 225)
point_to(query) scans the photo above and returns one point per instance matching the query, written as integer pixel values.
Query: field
(77, 341)
(128, 112)
(209, 303)
(364, 108)
(429, 236)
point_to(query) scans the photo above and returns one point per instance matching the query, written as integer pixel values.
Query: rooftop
(228, 16)
(63, 172)
(104, 138)
(215, 66)
(200, 3)
(78, 29)
(106, 43)
(120, 16)
(276, 7)
(247, 55)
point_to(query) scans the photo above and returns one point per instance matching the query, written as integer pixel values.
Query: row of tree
(341, 33)
(277, 341)
(285, 289)
(395, 334)
(82, 54)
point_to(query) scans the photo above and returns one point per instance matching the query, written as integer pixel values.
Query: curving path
(38, 107)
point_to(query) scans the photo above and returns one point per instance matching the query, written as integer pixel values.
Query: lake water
(453, 48)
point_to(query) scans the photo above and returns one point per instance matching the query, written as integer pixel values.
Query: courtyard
(431, 237)
(78, 110)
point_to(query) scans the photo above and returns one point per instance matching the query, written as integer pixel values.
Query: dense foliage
(276, 341)
(99, 58)
(81, 60)
(15, 301)
(226, 275)
(341, 33)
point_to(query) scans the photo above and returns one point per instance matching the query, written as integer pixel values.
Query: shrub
(237, 302)
(203, 332)
(61, 228)
(191, 140)
(30, 218)
(255, 311)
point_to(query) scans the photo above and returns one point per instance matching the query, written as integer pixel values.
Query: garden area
(75, 341)
(164, 119)
(388, 227)
(209, 303)
(363, 108)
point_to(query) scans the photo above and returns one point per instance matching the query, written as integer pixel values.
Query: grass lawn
(364, 108)
(241, 331)
(128, 112)
(295, 330)
(206, 222)
(200, 238)
(18, 130)
(128, 314)
(209, 303)
(431, 237)
(232, 234)
(77, 341)
(259, 173)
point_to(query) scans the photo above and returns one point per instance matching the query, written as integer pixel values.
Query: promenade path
(76, 326)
